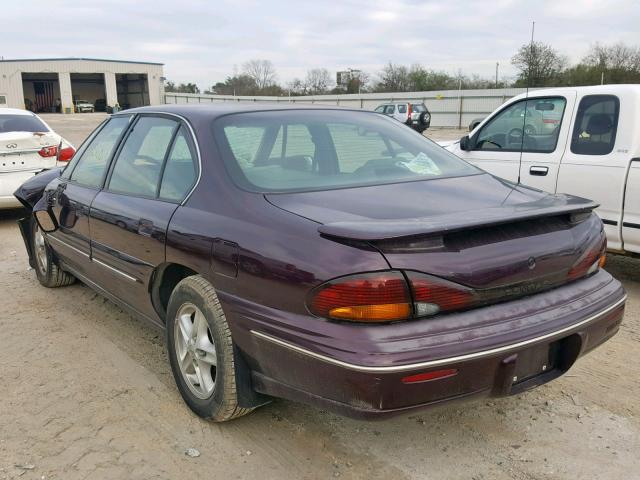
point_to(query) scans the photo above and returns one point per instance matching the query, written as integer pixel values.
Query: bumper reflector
(428, 376)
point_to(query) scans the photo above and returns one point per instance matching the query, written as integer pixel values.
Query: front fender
(31, 191)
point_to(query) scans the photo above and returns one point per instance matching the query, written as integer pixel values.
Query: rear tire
(201, 351)
(49, 274)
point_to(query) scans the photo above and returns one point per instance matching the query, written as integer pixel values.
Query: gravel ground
(88, 393)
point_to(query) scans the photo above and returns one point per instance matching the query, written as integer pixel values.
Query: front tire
(49, 274)
(201, 351)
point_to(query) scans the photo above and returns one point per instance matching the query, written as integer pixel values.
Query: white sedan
(27, 146)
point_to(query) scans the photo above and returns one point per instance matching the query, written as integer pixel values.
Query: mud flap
(247, 396)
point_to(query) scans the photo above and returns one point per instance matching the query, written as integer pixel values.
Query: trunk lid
(19, 150)
(478, 230)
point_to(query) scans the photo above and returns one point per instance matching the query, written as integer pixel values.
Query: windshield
(297, 150)
(21, 123)
(418, 107)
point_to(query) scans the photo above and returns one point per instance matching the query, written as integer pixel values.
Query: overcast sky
(202, 41)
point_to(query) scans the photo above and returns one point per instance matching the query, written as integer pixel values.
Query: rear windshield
(418, 107)
(298, 150)
(21, 123)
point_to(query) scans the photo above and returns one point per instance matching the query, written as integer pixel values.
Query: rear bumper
(489, 358)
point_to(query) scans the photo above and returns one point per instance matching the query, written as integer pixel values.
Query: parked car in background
(322, 255)
(581, 140)
(415, 115)
(27, 146)
(474, 123)
(100, 105)
(82, 106)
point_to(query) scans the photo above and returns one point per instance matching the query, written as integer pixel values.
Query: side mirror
(465, 143)
(46, 220)
(43, 214)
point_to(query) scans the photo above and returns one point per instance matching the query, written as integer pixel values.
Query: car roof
(215, 110)
(610, 89)
(15, 111)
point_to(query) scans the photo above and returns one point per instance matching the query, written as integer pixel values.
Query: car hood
(448, 143)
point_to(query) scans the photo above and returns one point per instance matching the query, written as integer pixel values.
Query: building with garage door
(67, 85)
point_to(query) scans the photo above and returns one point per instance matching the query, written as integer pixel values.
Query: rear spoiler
(551, 205)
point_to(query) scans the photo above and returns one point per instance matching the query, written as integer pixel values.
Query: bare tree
(613, 57)
(317, 81)
(539, 64)
(393, 78)
(262, 72)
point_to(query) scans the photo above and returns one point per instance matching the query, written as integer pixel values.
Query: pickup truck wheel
(201, 351)
(48, 273)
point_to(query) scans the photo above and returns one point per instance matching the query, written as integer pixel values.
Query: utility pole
(602, 78)
(497, 66)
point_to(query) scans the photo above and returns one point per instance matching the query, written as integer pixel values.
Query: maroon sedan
(327, 256)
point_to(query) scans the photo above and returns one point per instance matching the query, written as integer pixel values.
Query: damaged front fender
(29, 193)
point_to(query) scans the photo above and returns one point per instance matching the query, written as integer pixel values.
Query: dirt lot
(87, 393)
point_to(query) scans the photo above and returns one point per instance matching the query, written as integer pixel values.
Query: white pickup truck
(583, 141)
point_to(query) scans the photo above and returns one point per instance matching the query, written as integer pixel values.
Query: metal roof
(66, 59)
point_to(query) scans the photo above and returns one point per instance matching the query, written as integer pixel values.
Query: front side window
(299, 150)
(390, 110)
(139, 164)
(594, 132)
(92, 164)
(529, 125)
(180, 171)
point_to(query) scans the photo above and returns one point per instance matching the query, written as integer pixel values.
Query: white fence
(449, 108)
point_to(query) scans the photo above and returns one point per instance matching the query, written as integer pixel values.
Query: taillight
(367, 297)
(432, 295)
(47, 152)
(386, 297)
(589, 262)
(66, 154)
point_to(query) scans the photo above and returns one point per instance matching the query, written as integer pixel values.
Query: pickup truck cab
(584, 141)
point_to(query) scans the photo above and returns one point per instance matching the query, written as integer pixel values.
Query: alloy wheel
(195, 350)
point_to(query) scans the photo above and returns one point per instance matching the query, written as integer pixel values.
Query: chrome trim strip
(65, 244)
(113, 269)
(441, 361)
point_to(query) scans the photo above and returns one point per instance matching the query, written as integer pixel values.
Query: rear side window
(92, 164)
(139, 165)
(594, 132)
(402, 109)
(21, 123)
(180, 171)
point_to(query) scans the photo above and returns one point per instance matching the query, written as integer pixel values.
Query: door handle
(538, 171)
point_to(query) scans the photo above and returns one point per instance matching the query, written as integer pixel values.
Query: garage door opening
(133, 90)
(87, 89)
(41, 92)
